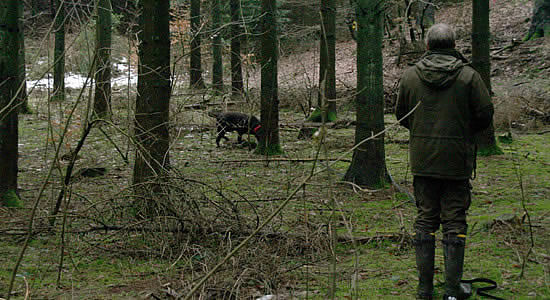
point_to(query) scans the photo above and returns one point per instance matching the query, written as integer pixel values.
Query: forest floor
(329, 236)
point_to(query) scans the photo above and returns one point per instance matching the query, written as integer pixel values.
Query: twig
(512, 45)
(260, 227)
(62, 242)
(356, 253)
(245, 241)
(43, 188)
(526, 212)
(283, 205)
(69, 171)
(122, 155)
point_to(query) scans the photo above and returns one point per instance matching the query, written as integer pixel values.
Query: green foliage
(381, 253)
(26, 109)
(317, 117)
(529, 37)
(489, 151)
(10, 199)
(505, 138)
(116, 20)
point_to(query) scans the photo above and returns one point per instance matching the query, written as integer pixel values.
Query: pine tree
(368, 165)
(9, 52)
(59, 52)
(217, 65)
(196, 80)
(102, 96)
(327, 64)
(153, 96)
(269, 137)
(481, 61)
(236, 33)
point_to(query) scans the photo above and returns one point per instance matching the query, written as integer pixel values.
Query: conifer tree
(368, 165)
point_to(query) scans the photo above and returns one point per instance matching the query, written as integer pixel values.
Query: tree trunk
(540, 21)
(21, 75)
(269, 137)
(217, 66)
(102, 96)
(59, 52)
(368, 166)
(153, 96)
(425, 16)
(481, 36)
(236, 33)
(9, 53)
(327, 65)
(481, 61)
(196, 80)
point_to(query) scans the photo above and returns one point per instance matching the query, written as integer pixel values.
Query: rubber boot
(453, 251)
(425, 251)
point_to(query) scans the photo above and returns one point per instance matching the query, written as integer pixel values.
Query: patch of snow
(76, 81)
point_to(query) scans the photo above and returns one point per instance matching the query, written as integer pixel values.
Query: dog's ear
(254, 121)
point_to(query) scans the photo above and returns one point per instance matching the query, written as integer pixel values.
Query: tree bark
(102, 96)
(327, 64)
(9, 53)
(269, 137)
(368, 165)
(153, 93)
(481, 62)
(425, 16)
(217, 66)
(540, 21)
(59, 52)
(481, 36)
(196, 80)
(236, 33)
(21, 75)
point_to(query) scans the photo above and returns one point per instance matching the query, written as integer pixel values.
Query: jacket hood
(439, 68)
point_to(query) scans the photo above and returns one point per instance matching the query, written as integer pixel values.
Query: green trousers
(441, 202)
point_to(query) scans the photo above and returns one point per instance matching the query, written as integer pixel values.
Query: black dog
(235, 121)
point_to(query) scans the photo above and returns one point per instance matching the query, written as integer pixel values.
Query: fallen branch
(69, 171)
(252, 160)
(204, 105)
(394, 237)
(512, 45)
(499, 57)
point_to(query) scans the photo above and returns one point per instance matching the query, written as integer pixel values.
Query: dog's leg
(221, 135)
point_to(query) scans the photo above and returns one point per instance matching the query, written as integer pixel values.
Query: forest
(125, 175)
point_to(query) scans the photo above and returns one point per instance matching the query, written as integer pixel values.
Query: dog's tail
(214, 114)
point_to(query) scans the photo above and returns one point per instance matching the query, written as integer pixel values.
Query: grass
(10, 199)
(293, 255)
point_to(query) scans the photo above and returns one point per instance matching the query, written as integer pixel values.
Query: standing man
(453, 104)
